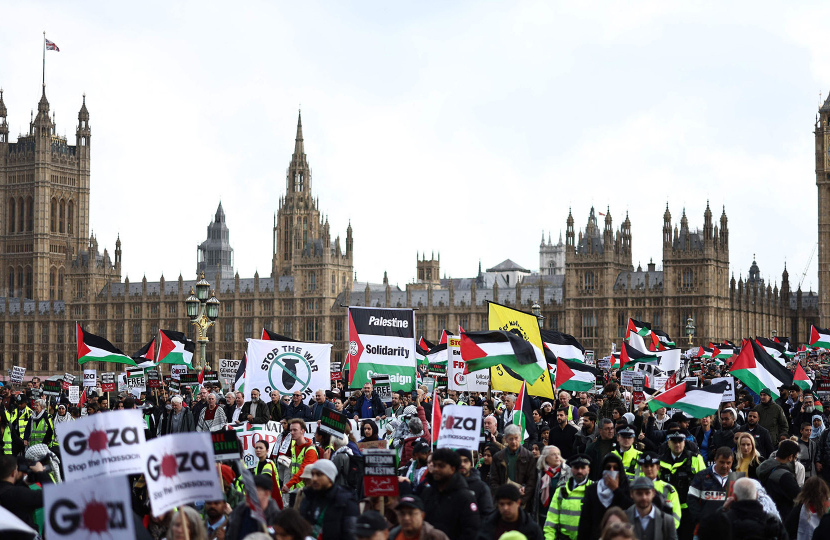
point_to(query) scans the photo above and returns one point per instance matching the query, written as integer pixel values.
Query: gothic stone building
(53, 274)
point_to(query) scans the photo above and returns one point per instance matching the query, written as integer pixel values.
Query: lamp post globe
(536, 309)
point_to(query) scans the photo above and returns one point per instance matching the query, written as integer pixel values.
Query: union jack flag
(50, 46)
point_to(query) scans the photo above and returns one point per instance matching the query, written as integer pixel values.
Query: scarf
(65, 417)
(807, 523)
(604, 493)
(817, 432)
(547, 478)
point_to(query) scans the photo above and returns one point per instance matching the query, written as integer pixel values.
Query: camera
(24, 466)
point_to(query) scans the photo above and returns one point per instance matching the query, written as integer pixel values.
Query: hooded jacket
(592, 507)
(481, 491)
(242, 514)
(772, 417)
(609, 405)
(748, 520)
(453, 510)
(779, 481)
(335, 507)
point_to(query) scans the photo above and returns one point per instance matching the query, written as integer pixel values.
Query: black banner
(383, 322)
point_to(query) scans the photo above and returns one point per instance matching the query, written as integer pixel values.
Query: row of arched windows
(62, 216)
(20, 282)
(21, 214)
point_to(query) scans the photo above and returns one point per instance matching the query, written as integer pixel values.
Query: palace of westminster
(53, 274)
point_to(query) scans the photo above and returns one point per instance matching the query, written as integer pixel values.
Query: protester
(256, 410)
(194, 529)
(563, 434)
(15, 494)
(746, 516)
(771, 416)
(509, 516)
(39, 429)
(449, 504)
(611, 490)
(411, 521)
(297, 409)
(748, 456)
(649, 521)
(289, 525)
(369, 404)
(566, 506)
(242, 522)
(516, 464)
(212, 417)
(178, 419)
(763, 439)
(370, 525)
(301, 452)
(708, 491)
(216, 519)
(550, 474)
(778, 478)
(330, 509)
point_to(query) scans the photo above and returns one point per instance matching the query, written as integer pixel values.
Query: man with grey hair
(509, 401)
(746, 513)
(516, 464)
(177, 419)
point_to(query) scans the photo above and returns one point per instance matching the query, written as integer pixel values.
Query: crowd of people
(588, 466)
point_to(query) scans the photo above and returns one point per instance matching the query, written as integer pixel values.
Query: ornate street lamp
(202, 310)
(536, 309)
(690, 329)
(774, 333)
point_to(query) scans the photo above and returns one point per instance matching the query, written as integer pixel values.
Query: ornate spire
(299, 148)
(83, 114)
(3, 111)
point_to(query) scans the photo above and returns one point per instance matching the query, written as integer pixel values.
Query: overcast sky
(461, 127)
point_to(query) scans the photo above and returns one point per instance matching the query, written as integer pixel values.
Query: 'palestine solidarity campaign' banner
(382, 342)
(287, 367)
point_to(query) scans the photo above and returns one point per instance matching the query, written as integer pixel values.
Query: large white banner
(477, 381)
(78, 510)
(382, 342)
(287, 367)
(249, 438)
(102, 444)
(180, 469)
(460, 427)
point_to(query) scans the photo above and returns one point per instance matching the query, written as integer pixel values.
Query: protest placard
(638, 381)
(333, 422)
(179, 469)
(694, 380)
(68, 378)
(74, 394)
(626, 377)
(136, 380)
(476, 381)
(153, 378)
(108, 382)
(247, 440)
(188, 379)
(211, 377)
(173, 386)
(226, 445)
(380, 474)
(51, 388)
(383, 387)
(104, 509)
(176, 371)
(17, 374)
(729, 393)
(122, 382)
(101, 444)
(382, 443)
(336, 371)
(90, 378)
(460, 427)
(228, 368)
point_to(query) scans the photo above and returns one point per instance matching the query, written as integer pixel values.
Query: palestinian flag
(490, 348)
(438, 354)
(425, 345)
(801, 379)
(175, 348)
(630, 356)
(758, 370)
(147, 352)
(421, 356)
(637, 327)
(819, 337)
(97, 349)
(655, 344)
(444, 334)
(575, 376)
(436, 416)
(774, 349)
(664, 338)
(670, 360)
(563, 345)
(268, 335)
(240, 374)
(638, 343)
(697, 402)
(704, 352)
(523, 414)
(722, 353)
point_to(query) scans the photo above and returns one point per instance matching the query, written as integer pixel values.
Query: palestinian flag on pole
(758, 370)
(438, 354)
(436, 416)
(774, 349)
(523, 414)
(697, 402)
(630, 356)
(268, 335)
(490, 348)
(147, 352)
(637, 327)
(444, 334)
(704, 352)
(425, 345)
(420, 356)
(655, 343)
(722, 352)
(97, 349)
(663, 338)
(563, 345)
(819, 337)
(801, 379)
(175, 348)
(575, 376)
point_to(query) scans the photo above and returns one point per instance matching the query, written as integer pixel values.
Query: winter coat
(663, 524)
(772, 417)
(525, 473)
(406, 446)
(186, 424)
(780, 483)
(749, 521)
(608, 406)
(453, 510)
(564, 439)
(338, 509)
(301, 411)
(217, 424)
(428, 532)
(592, 507)
(763, 439)
(706, 494)
(242, 515)
(316, 409)
(263, 416)
(378, 408)
(808, 456)
(276, 410)
(481, 490)
(584, 439)
(723, 437)
(524, 525)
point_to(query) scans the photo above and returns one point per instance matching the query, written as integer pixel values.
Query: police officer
(562, 521)
(627, 452)
(666, 497)
(678, 466)
(20, 415)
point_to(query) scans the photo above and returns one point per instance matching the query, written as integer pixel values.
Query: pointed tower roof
(220, 214)
(299, 148)
(826, 106)
(3, 111)
(83, 114)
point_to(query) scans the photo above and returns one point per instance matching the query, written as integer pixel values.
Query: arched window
(688, 278)
(30, 217)
(11, 215)
(53, 216)
(60, 284)
(19, 290)
(53, 281)
(62, 214)
(305, 230)
(20, 215)
(70, 216)
(29, 283)
(589, 281)
(11, 282)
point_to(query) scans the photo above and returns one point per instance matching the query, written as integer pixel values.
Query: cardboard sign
(74, 394)
(333, 422)
(729, 393)
(179, 469)
(336, 371)
(460, 427)
(638, 382)
(68, 379)
(211, 377)
(694, 380)
(626, 377)
(383, 387)
(228, 369)
(437, 369)
(382, 443)
(122, 382)
(173, 386)
(589, 355)
(52, 388)
(226, 445)
(660, 381)
(17, 374)
(637, 398)
(380, 473)
(102, 444)
(136, 380)
(105, 511)
(177, 370)
(90, 378)
(605, 363)
(108, 382)
(188, 379)
(153, 378)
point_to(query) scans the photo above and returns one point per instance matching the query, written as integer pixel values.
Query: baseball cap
(410, 501)
(368, 523)
(420, 447)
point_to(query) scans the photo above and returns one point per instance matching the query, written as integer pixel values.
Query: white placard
(729, 393)
(74, 394)
(17, 374)
(179, 469)
(105, 511)
(626, 376)
(249, 438)
(136, 380)
(287, 366)
(122, 382)
(176, 370)
(90, 378)
(460, 427)
(227, 370)
(660, 381)
(476, 381)
(102, 444)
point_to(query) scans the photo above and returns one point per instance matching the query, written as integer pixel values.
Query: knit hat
(463, 452)
(765, 391)
(326, 467)
(227, 474)
(263, 482)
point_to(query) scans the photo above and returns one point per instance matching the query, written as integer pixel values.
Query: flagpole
(44, 58)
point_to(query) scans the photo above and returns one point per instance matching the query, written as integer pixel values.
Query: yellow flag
(501, 317)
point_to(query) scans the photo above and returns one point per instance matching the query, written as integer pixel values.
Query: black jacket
(780, 483)
(453, 510)
(763, 441)
(262, 413)
(481, 491)
(723, 437)
(525, 525)
(241, 524)
(340, 507)
(21, 501)
(563, 439)
(186, 425)
(592, 507)
(748, 520)
(525, 473)
(593, 451)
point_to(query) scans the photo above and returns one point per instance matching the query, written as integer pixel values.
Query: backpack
(354, 474)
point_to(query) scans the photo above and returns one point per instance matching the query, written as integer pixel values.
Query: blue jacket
(378, 408)
(316, 410)
(300, 411)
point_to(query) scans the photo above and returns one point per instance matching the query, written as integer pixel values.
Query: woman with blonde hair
(748, 456)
